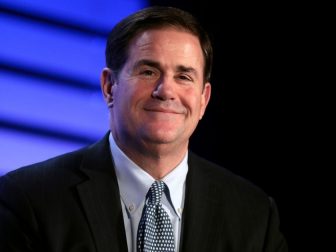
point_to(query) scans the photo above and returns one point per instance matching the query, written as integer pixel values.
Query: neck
(158, 167)
(158, 160)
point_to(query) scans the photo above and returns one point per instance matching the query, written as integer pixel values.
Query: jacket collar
(200, 218)
(100, 198)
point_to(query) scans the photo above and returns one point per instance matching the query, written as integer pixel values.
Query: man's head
(156, 83)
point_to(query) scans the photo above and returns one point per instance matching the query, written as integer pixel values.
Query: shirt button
(131, 207)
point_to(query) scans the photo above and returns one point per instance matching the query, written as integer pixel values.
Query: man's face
(159, 97)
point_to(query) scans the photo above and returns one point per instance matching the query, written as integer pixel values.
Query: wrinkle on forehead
(160, 44)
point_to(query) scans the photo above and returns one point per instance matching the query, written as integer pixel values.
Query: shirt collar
(134, 182)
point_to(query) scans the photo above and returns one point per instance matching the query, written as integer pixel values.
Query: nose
(164, 90)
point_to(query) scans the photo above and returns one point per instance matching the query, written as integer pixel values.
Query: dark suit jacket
(71, 203)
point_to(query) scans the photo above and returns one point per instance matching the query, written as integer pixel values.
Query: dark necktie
(155, 231)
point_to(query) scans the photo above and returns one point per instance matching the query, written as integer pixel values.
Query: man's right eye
(147, 72)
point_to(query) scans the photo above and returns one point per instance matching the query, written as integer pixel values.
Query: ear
(205, 98)
(107, 80)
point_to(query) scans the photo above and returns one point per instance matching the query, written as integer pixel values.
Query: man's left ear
(205, 98)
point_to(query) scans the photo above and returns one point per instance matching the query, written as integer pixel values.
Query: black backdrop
(249, 126)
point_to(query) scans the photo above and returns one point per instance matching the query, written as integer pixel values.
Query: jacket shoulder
(227, 181)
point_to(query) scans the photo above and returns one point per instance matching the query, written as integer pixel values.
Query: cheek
(130, 98)
(193, 102)
(121, 99)
(194, 98)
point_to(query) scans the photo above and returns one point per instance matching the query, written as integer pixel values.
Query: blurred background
(52, 53)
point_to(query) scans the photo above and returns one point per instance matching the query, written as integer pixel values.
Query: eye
(185, 77)
(147, 72)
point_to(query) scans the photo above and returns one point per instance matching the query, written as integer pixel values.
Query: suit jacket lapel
(100, 198)
(199, 214)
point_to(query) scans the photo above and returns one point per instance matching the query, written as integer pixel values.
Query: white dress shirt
(134, 184)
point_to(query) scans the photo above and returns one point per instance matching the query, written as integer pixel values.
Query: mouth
(165, 107)
(160, 110)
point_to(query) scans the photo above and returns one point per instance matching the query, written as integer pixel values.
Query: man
(100, 198)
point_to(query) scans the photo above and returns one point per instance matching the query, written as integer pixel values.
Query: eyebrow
(185, 69)
(147, 62)
(152, 63)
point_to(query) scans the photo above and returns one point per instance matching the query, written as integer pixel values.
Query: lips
(165, 107)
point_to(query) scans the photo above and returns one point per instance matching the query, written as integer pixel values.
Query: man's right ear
(106, 82)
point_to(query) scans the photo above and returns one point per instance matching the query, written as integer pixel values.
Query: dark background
(251, 124)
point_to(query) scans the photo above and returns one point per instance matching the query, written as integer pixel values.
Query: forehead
(167, 45)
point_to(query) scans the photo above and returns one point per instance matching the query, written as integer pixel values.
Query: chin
(161, 136)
